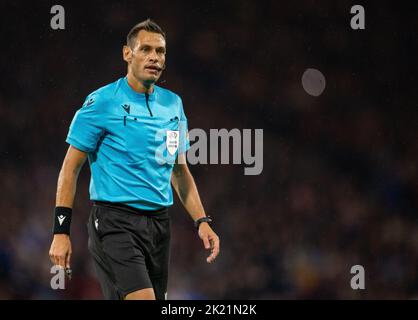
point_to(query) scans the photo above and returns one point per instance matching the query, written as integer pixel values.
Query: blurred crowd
(339, 183)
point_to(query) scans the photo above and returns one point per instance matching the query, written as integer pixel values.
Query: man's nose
(153, 55)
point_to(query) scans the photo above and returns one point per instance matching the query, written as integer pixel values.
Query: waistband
(159, 213)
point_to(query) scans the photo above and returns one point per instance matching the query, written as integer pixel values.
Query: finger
(61, 261)
(51, 257)
(54, 258)
(68, 260)
(215, 250)
(206, 242)
(212, 243)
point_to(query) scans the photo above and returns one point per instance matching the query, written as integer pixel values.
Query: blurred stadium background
(339, 185)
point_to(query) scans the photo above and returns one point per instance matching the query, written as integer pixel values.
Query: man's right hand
(60, 251)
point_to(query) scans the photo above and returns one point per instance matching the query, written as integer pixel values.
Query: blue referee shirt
(132, 141)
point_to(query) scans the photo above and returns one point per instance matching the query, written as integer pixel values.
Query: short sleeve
(184, 142)
(87, 127)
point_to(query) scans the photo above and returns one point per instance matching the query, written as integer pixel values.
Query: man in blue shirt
(134, 135)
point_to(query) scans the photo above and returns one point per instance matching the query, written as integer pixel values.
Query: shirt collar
(137, 95)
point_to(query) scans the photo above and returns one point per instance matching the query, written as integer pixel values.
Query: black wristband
(207, 219)
(62, 220)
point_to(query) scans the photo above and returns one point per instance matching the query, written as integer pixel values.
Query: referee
(134, 135)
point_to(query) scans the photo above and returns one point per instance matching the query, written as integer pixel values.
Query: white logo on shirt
(172, 141)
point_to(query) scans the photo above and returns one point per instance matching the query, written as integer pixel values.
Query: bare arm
(67, 180)
(183, 182)
(60, 251)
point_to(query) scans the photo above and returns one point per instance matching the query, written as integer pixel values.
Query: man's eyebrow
(151, 46)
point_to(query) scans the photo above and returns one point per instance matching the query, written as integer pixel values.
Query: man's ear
(127, 54)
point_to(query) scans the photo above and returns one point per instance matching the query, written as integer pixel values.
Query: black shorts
(130, 248)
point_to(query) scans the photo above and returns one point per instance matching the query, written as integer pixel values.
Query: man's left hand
(210, 241)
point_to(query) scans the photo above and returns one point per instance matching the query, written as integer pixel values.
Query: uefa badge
(172, 141)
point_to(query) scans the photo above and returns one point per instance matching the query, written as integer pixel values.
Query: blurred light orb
(313, 82)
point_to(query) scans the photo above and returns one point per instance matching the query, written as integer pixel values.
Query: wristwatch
(207, 219)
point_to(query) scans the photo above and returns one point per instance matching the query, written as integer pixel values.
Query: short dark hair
(147, 25)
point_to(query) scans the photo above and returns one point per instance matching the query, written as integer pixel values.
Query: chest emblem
(172, 141)
(127, 108)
